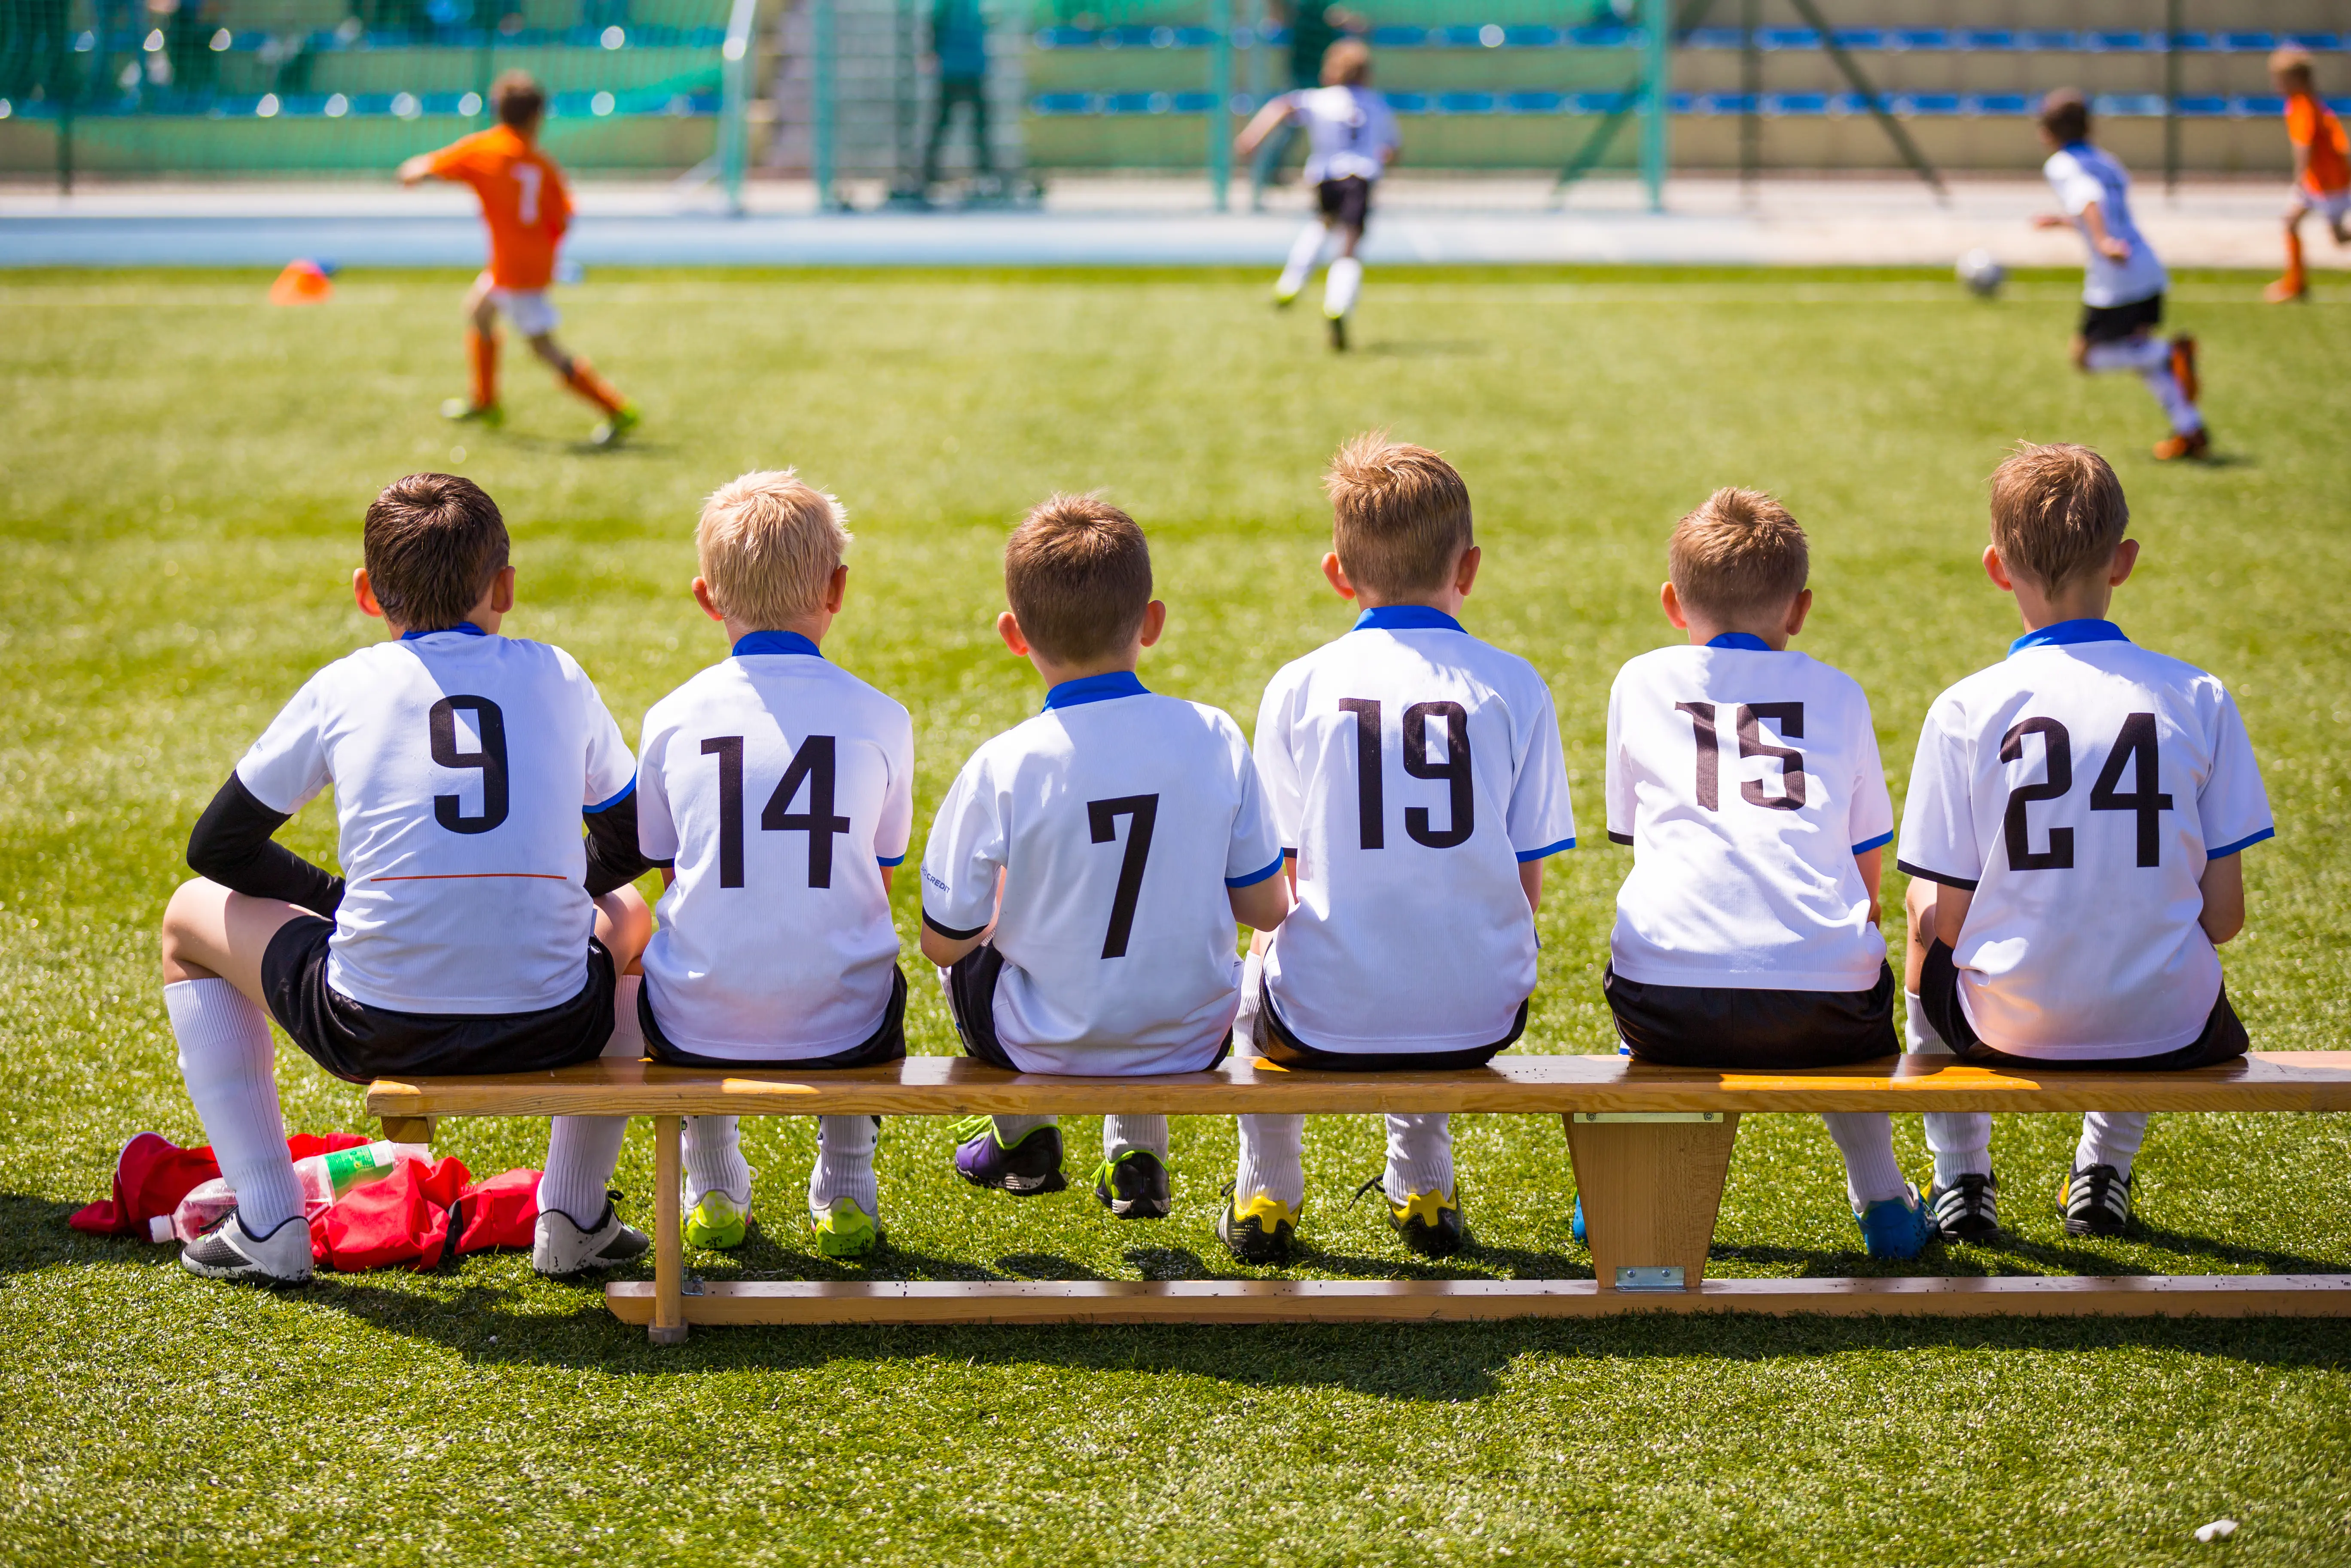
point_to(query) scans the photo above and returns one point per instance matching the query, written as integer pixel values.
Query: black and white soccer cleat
(1967, 1210)
(2095, 1202)
(560, 1250)
(229, 1252)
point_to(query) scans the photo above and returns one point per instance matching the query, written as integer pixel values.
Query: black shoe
(1029, 1168)
(2095, 1202)
(1339, 334)
(1261, 1238)
(1429, 1222)
(1134, 1185)
(1966, 1211)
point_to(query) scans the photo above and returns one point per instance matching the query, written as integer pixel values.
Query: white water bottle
(323, 1179)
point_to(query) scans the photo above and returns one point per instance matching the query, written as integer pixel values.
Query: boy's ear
(363, 593)
(836, 588)
(1338, 575)
(2125, 559)
(709, 605)
(1155, 622)
(502, 591)
(1798, 608)
(1673, 603)
(1007, 626)
(1997, 570)
(1465, 570)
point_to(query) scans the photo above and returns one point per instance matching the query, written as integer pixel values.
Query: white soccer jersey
(1412, 769)
(1349, 131)
(2080, 174)
(461, 764)
(1118, 819)
(2079, 788)
(779, 784)
(1746, 782)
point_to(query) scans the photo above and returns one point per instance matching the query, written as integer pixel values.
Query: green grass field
(180, 495)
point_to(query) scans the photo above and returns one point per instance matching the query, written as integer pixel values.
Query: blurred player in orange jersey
(526, 209)
(2322, 167)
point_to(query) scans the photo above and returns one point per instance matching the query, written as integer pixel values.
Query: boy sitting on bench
(2073, 828)
(470, 931)
(1085, 870)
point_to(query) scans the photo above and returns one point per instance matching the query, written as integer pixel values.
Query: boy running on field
(1746, 778)
(1415, 775)
(2322, 167)
(526, 209)
(472, 930)
(776, 790)
(1352, 136)
(2072, 832)
(1085, 870)
(2123, 283)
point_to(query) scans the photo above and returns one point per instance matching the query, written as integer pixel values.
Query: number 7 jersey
(2079, 788)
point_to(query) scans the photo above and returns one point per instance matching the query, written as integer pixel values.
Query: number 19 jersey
(1746, 780)
(1412, 769)
(2079, 788)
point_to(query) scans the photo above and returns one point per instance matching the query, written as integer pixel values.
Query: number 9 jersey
(461, 764)
(2079, 788)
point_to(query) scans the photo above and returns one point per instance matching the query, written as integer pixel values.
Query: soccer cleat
(2195, 443)
(2285, 292)
(2183, 367)
(1429, 1222)
(717, 1222)
(1029, 1168)
(1576, 1223)
(608, 432)
(1134, 1185)
(560, 1250)
(1260, 1232)
(488, 415)
(1339, 334)
(1897, 1229)
(2095, 1202)
(229, 1252)
(847, 1231)
(1966, 1211)
(1285, 293)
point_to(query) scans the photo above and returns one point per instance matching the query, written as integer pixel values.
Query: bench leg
(668, 1326)
(408, 1129)
(1651, 1185)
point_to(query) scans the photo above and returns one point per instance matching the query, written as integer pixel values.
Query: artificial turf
(180, 494)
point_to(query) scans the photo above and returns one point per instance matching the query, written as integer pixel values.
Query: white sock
(1273, 1160)
(580, 1153)
(844, 1164)
(1120, 1133)
(1922, 1039)
(2173, 398)
(1305, 252)
(1252, 997)
(1420, 1154)
(628, 1042)
(2130, 354)
(1961, 1141)
(1865, 1139)
(1341, 286)
(1010, 1130)
(2110, 1138)
(714, 1160)
(232, 1077)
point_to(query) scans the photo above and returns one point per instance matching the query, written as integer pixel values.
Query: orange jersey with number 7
(2311, 125)
(524, 202)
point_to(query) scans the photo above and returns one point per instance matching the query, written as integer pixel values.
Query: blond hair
(2292, 63)
(1399, 515)
(1737, 554)
(768, 544)
(1347, 63)
(1077, 572)
(2057, 513)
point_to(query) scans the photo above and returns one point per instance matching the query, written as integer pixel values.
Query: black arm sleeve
(232, 847)
(614, 858)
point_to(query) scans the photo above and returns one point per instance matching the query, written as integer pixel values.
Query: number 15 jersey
(2079, 788)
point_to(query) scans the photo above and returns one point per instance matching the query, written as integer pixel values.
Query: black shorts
(886, 1043)
(1346, 204)
(2223, 1038)
(358, 1042)
(1722, 1026)
(971, 997)
(1278, 1045)
(2113, 323)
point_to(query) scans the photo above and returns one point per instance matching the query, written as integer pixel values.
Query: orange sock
(482, 354)
(584, 381)
(2296, 280)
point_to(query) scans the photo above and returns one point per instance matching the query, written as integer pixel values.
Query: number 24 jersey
(2079, 788)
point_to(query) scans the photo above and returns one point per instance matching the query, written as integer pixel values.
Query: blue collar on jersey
(1405, 618)
(467, 627)
(2058, 634)
(1746, 640)
(776, 642)
(1096, 689)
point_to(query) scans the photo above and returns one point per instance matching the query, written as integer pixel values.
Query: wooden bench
(1650, 1147)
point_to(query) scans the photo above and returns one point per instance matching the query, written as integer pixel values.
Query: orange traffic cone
(302, 283)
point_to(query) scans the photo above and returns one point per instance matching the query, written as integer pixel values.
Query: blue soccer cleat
(1897, 1229)
(1576, 1223)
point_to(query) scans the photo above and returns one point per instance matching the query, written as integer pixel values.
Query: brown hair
(1739, 554)
(767, 545)
(2057, 513)
(432, 543)
(1400, 515)
(2065, 115)
(1347, 63)
(2292, 65)
(518, 99)
(1077, 572)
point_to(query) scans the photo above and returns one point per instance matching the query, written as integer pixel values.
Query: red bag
(153, 1174)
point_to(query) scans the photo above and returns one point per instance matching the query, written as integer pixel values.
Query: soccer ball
(1981, 273)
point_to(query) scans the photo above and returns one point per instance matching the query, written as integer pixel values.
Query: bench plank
(955, 1085)
(1456, 1300)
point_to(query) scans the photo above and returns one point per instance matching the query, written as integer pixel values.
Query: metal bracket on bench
(1588, 1118)
(1665, 1277)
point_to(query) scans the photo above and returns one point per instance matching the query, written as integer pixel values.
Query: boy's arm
(233, 846)
(1262, 906)
(963, 868)
(2103, 242)
(615, 858)
(1276, 110)
(1871, 864)
(1530, 883)
(2224, 887)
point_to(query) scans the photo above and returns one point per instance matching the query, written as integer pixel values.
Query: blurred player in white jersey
(1351, 134)
(2122, 281)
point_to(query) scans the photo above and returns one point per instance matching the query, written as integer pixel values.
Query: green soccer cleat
(717, 1222)
(1134, 1185)
(488, 415)
(608, 433)
(847, 1231)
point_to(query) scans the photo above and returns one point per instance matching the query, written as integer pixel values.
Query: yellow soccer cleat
(846, 1231)
(717, 1222)
(1429, 1222)
(1258, 1232)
